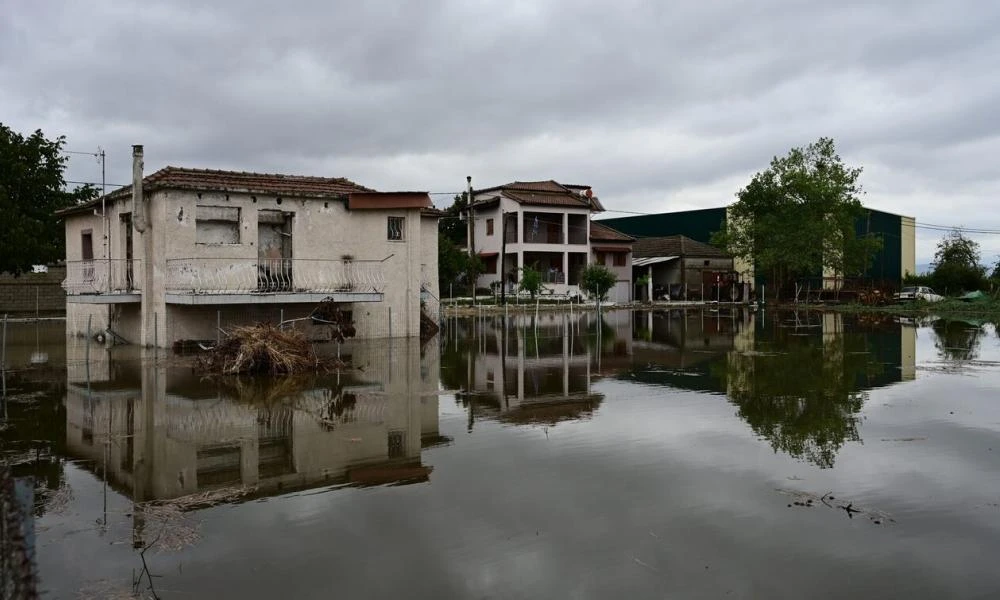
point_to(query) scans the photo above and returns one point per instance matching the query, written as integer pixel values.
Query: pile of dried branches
(262, 349)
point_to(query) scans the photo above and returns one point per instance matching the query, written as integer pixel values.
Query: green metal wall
(887, 264)
(701, 224)
(698, 225)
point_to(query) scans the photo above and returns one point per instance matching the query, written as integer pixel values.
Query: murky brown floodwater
(665, 454)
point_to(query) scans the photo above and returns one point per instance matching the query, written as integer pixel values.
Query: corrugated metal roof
(651, 260)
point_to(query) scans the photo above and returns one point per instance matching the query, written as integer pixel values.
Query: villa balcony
(103, 281)
(269, 281)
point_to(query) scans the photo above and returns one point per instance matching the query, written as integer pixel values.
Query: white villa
(546, 226)
(183, 252)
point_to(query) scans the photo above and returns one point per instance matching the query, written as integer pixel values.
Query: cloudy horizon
(660, 107)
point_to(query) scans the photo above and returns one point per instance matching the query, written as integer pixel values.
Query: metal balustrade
(261, 276)
(103, 276)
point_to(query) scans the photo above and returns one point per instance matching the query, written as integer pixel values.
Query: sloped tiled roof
(603, 233)
(211, 180)
(674, 245)
(543, 193)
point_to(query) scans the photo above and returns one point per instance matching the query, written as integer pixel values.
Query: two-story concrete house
(183, 252)
(544, 225)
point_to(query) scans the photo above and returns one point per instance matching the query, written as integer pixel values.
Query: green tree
(597, 281)
(531, 281)
(32, 188)
(456, 268)
(798, 217)
(956, 265)
(453, 225)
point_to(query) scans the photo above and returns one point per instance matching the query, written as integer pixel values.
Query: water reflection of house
(172, 434)
(524, 371)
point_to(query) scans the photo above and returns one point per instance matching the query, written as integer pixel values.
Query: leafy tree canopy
(31, 190)
(597, 281)
(531, 280)
(956, 265)
(455, 267)
(798, 217)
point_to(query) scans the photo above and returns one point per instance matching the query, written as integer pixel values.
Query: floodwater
(681, 454)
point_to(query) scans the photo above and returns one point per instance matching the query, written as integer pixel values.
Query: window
(489, 226)
(87, 244)
(600, 258)
(217, 225)
(396, 225)
(619, 259)
(490, 265)
(87, 253)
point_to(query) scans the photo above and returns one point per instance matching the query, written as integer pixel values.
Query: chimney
(138, 206)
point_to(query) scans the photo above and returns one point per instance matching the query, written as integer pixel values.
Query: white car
(919, 292)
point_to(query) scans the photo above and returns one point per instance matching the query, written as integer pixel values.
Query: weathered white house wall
(324, 234)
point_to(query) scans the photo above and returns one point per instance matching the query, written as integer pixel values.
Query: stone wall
(31, 291)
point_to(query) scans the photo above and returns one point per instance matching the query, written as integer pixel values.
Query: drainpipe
(138, 208)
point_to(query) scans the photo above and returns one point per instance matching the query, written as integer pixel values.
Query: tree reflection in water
(957, 340)
(805, 382)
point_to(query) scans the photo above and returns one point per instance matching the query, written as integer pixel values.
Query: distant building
(680, 268)
(206, 248)
(546, 226)
(894, 261)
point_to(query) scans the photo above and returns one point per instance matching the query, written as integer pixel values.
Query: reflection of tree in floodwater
(802, 391)
(957, 340)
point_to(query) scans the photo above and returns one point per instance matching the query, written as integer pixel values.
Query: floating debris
(808, 499)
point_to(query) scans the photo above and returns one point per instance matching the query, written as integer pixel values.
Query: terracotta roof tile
(674, 245)
(212, 180)
(603, 233)
(565, 198)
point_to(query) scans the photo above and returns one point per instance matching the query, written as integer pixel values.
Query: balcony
(269, 281)
(103, 281)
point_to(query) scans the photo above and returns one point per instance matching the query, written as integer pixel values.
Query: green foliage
(455, 267)
(995, 275)
(597, 281)
(531, 281)
(31, 190)
(798, 217)
(956, 265)
(452, 227)
(810, 415)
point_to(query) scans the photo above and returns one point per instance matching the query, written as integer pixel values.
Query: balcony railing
(279, 275)
(103, 276)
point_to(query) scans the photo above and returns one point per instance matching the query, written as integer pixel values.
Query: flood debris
(266, 350)
(810, 500)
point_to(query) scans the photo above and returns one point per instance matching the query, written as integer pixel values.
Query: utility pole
(472, 232)
(503, 259)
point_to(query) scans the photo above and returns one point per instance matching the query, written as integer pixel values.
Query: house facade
(183, 252)
(544, 225)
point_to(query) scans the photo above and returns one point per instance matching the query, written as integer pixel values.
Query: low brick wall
(33, 291)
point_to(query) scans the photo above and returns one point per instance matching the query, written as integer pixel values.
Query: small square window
(619, 259)
(396, 225)
(600, 258)
(489, 226)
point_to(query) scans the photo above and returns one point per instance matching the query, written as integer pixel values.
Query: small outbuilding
(677, 267)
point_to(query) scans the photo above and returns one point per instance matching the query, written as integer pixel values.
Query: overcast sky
(659, 106)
